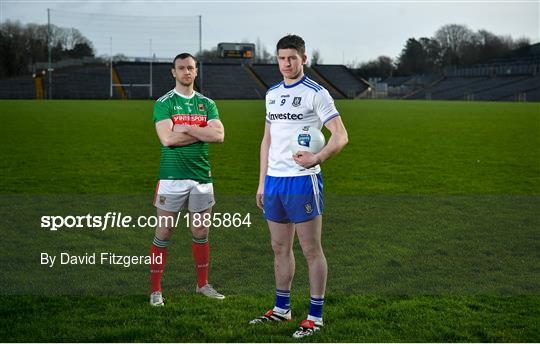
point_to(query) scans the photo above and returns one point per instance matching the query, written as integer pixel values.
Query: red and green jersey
(191, 161)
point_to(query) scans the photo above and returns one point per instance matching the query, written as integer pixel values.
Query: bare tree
(453, 39)
(315, 58)
(210, 55)
(24, 45)
(262, 55)
(382, 67)
(13, 60)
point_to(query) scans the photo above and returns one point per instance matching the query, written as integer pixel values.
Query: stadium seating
(17, 88)
(226, 81)
(513, 80)
(342, 79)
(468, 92)
(397, 86)
(396, 81)
(162, 79)
(268, 73)
(424, 80)
(515, 89)
(314, 75)
(518, 88)
(86, 82)
(133, 76)
(530, 96)
(442, 89)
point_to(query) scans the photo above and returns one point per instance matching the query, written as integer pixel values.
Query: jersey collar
(296, 83)
(184, 96)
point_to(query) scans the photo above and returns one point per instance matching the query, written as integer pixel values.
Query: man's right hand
(260, 196)
(180, 128)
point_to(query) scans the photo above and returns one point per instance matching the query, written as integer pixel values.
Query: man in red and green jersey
(186, 121)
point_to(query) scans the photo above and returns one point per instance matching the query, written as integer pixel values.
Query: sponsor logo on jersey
(287, 116)
(296, 101)
(181, 119)
(197, 120)
(271, 101)
(285, 95)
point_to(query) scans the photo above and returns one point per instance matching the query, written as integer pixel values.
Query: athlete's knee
(312, 251)
(164, 233)
(199, 232)
(281, 248)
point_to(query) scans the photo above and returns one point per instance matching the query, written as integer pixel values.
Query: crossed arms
(182, 135)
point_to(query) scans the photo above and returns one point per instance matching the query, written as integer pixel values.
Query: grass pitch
(431, 226)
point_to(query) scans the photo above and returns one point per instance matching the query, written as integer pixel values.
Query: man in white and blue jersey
(290, 186)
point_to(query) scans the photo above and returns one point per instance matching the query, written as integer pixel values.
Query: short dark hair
(183, 56)
(292, 42)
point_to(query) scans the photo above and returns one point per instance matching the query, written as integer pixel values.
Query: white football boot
(209, 291)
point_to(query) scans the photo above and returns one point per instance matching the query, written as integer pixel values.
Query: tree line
(23, 45)
(452, 45)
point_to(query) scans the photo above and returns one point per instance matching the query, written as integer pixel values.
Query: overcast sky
(343, 31)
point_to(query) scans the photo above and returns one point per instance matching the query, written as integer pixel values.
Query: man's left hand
(306, 159)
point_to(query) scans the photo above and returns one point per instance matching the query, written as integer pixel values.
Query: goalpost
(143, 39)
(116, 82)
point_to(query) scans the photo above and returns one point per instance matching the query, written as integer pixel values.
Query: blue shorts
(293, 199)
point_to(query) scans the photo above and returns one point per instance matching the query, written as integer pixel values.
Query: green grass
(194, 319)
(431, 226)
(397, 148)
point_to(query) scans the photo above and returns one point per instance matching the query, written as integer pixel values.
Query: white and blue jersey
(291, 192)
(289, 108)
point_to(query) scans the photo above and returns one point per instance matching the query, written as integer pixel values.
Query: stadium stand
(423, 80)
(514, 78)
(515, 89)
(132, 76)
(17, 88)
(268, 73)
(313, 75)
(397, 81)
(446, 86)
(85, 82)
(342, 79)
(162, 80)
(530, 96)
(468, 91)
(508, 88)
(400, 86)
(396, 86)
(227, 81)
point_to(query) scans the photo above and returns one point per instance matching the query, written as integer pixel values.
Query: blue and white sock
(315, 309)
(283, 301)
